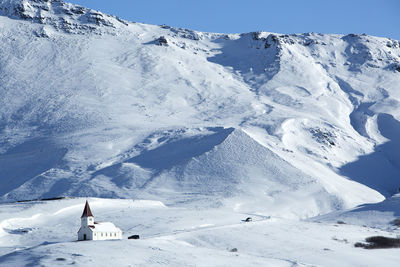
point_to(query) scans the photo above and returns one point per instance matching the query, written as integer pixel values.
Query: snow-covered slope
(92, 105)
(44, 234)
(383, 215)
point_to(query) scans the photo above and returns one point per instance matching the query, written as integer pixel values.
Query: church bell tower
(87, 218)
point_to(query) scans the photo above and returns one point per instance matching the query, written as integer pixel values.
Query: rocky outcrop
(60, 15)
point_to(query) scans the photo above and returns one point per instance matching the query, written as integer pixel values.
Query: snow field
(179, 236)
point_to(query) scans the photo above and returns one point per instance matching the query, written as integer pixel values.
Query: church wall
(83, 231)
(107, 236)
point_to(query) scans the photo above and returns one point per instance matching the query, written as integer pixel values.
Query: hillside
(92, 105)
(43, 233)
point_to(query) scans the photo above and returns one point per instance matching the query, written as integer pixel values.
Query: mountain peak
(60, 15)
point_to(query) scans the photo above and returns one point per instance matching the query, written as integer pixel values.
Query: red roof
(86, 211)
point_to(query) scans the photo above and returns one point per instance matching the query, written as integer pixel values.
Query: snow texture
(292, 126)
(44, 234)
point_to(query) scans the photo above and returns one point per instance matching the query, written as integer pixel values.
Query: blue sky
(374, 17)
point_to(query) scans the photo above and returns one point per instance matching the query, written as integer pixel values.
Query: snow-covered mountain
(59, 15)
(91, 105)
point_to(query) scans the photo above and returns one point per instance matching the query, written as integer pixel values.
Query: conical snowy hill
(224, 166)
(86, 101)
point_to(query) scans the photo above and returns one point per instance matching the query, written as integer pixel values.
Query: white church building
(91, 230)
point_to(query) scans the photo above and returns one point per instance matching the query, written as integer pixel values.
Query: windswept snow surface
(44, 234)
(378, 215)
(292, 126)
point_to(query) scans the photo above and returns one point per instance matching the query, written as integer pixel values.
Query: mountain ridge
(96, 96)
(60, 15)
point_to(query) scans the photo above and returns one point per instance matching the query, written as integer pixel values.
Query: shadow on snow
(381, 169)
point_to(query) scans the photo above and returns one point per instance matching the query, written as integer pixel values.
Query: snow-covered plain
(44, 234)
(212, 125)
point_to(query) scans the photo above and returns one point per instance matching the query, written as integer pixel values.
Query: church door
(84, 237)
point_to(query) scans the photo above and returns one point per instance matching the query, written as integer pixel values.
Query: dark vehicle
(248, 219)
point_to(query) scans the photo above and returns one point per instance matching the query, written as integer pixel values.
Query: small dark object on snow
(397, 68)
(162, 41)
(379, 242)
(234, 250)
(248, 219)
(61, 259)
(134, 237)
(340, 222)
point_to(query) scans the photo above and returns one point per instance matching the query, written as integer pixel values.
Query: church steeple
(87, 218)
(86, 211)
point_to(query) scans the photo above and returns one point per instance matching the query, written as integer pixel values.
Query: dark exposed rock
(64, 17)
(308, 42)
(256, 36)
(271, 40)
(162, 41)
(324, 137)
(164, 26)
(184, 33)
(98, 19)
(41, 34)
(78, 10)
